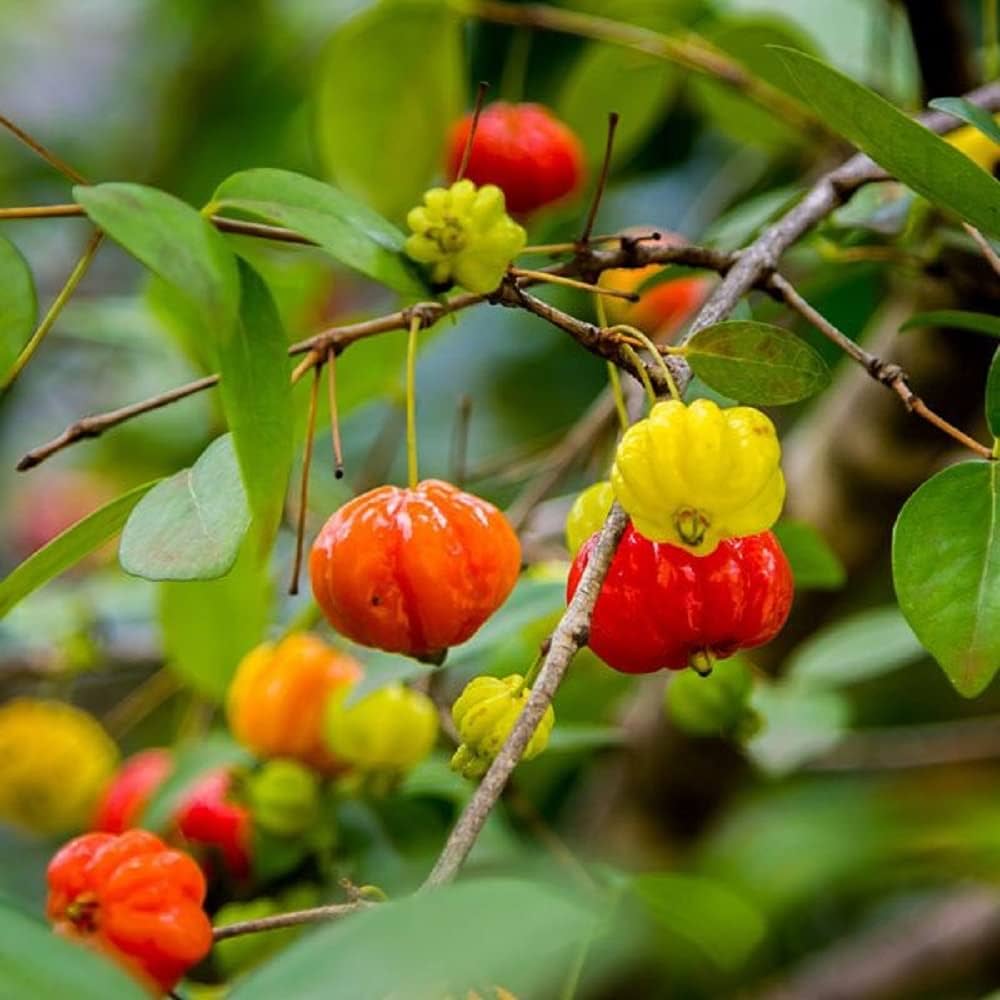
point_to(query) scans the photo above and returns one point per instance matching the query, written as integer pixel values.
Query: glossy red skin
(522, 148)
(133, 899)
(207, 818)
(660, 604)
(123, 802)
(414, 570)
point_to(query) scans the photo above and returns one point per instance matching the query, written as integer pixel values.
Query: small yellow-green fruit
(713, 705)
(283, 797)
(588, 514)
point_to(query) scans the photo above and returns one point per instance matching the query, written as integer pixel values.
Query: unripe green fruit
(716, 705)
(588, 514)
(284, 798)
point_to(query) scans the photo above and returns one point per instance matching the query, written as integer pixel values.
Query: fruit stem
(613, 379)
(300, 524)
(640, 369)
(558, 279)
(529, 677)
(655, 351)
(411, 402)
(476, 112)
(338, 450)
(602, 180)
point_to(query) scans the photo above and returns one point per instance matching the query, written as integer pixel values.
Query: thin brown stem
(42, 212)
(985, 247)
(48, 321)
(331, 385)
(300, 521)
(46, 154)
(314, 915)
(476, 112)
(602, 180)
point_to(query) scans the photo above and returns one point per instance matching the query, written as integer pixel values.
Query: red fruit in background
(662, 607)
(133, 899)
(126, 797)
(208, 819)
(522, 148)
(414, 570)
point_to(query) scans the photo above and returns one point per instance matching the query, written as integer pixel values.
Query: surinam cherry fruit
(133, 899)
(283, 798)
(534, 158)
(484, 714)
(663, 308)
(55, 762)
(387, 732)
(695, 475)
(588, 514)
(210, 819)
(977, 146)
(275, 702)
(415, 570)
(124, 800)
(464, 235)
(661, 607)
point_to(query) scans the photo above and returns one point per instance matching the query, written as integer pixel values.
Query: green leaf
(859, 648)
(391, 82)
(172, 240)
(190, 762)
(799, 725)
(946, 569)
(38, 963)
(609, 78)
(815, 565)
(440, 942)
(702, 913)
(993, 396)
(969, 113)
(210, 625)
(756, 363)
(69, 548)
(18, 303)
(257, 397)
(955, 319)
(904, 148)
(190, 526)
(571, 738)
(345, 228)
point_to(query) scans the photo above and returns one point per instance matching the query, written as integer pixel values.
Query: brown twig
(686, 50)
(307, 450)
(476, 112)
(602, 180)
(314, 915)
(985, 247)
(46, 154)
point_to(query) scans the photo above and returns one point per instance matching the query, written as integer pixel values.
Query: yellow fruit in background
(587, 515)
(977, 146)
(55, 761)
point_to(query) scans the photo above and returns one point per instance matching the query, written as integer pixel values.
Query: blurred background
(850, 848)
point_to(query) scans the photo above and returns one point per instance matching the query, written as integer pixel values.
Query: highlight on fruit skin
(695, 475)
(414, 571)
(484, 715)
(663, 608)
(55, 763)
(275, 701)
(464, 236)
(533, 157)
(588, 513)
(388, 731)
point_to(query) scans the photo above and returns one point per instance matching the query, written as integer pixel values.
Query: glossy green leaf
(955, 319)
(257, 398)
(18, 303)
(969, 113)
(946, 569)
(756, 363)
(858, 648)
(904, 148)
(702, 914)
(35, 962)
(210, 625)
(189, 763)
(391, 81)
(815, 565)
(190, 526)
(993, 396)
(608, 78)
(345, 228)
(173, 240)
(440, 943)
(69, 548)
